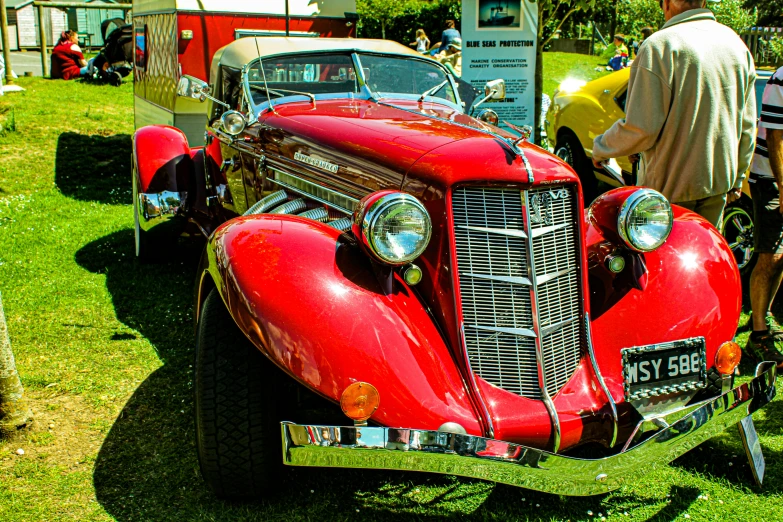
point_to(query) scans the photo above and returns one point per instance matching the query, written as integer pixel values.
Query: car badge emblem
(321, 164)
(541, 209)
(541, 206)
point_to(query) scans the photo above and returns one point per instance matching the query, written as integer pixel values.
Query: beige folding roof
(239, 52)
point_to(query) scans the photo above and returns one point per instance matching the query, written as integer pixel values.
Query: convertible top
(239, 52)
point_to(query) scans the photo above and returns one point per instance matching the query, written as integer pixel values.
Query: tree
(770, 12)
(412, 15)
(731, 13)
(633, 15)
(14, 412)
(385, 11)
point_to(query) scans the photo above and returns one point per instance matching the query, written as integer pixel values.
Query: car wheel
(115, 79)
(737, 228)
(237, 420)
(570, 150)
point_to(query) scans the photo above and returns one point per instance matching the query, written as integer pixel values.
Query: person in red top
(67, 59)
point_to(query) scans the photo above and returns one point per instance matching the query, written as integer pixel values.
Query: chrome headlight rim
(626, 211)
(369, 217)
(228, 127)
(488, 116)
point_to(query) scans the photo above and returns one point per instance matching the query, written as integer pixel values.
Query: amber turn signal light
(728, 357)
(359, 401)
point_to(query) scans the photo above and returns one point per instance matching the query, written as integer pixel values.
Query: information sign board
(499, 40)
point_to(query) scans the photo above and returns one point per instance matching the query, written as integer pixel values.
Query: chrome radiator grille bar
(495, 256)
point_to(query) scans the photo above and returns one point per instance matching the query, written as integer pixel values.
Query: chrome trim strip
(476, 390)
(521, 332)
(508, 279)
(321, 194)
(546, 230)
(545, 278)
(529, 170)
(531, 267)
(502, 231)
(516, 465)
(555, 327)
(600, 377)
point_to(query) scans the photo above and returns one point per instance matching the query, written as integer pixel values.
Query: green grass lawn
(104, 346)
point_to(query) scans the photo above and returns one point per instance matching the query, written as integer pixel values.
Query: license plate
(660, 369)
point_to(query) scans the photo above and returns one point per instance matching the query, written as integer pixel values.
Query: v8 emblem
(541, 208)
(541, 205)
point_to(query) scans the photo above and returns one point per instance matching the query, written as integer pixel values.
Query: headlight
(393, 226)
(645, 220)
(233, 122)
(570, 85)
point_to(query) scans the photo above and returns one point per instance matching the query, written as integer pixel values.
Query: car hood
(392, 134)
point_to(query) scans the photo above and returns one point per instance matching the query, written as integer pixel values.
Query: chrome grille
(559, 307)
(494, 260)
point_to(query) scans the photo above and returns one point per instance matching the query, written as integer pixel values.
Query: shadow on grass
(94, 168)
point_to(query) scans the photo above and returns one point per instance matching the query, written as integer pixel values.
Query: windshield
(303, 74)
(335, 73)
(389, 75)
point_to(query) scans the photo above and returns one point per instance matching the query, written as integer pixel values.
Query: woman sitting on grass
(67, 59)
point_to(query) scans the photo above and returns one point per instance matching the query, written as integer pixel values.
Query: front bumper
(508, 463)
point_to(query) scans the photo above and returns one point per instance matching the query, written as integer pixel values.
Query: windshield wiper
(430, 92)
(279, 91)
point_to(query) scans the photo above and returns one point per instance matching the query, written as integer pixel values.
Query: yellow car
(580, 111)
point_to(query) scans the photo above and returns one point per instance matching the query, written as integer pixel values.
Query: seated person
(67, 59)
(616, 54)
(452, 57)
(449, 34)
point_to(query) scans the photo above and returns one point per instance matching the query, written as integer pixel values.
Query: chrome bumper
(507, 463)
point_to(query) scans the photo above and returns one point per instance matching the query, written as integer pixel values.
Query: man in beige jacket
(690, 111)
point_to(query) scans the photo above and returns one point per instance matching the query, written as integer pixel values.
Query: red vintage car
(372, 245)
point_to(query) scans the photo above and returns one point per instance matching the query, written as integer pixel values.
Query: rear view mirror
(191, 87)
(495, 90)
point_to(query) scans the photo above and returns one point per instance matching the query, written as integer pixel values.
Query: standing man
(690, 111)
(766, 188)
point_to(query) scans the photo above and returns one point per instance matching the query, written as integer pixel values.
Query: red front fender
(162, 159)
(691, 287)
(308, 299)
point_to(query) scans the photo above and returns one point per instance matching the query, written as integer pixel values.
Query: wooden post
(14, 413)
(42, 34)
(9, 77)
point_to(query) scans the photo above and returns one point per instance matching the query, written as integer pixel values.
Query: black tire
(737, 227)
(570, 150)
(115, 79)
(237, 420)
